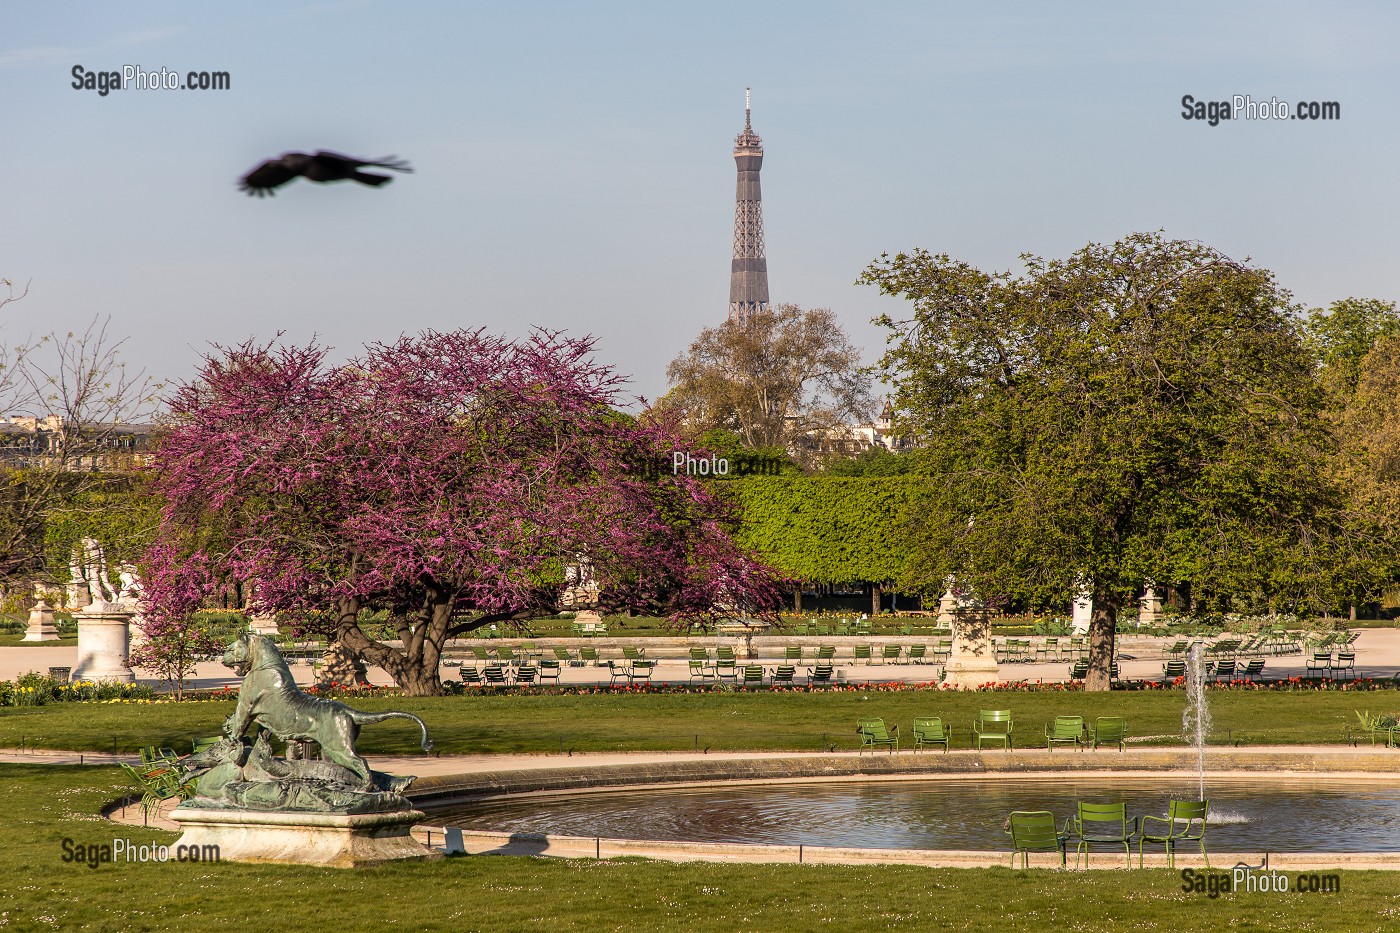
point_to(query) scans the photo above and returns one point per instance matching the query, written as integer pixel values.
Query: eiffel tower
(748, 272)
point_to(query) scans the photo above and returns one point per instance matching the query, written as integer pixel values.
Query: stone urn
(743, 631)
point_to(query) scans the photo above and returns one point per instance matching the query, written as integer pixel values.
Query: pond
(1296, 814)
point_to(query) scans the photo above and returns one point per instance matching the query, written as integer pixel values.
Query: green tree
(788, 379)
(1343, 335)
(824, 529)
(1369, 427)
(1139, 411)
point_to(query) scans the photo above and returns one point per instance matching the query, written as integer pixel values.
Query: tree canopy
(825, 529)
(448, 478)
(1140, 411)
(785, 379)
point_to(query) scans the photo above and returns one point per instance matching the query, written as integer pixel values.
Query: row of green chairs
(1075, 732)
(510, 675)
(755, 675)
(1108, 824)
(1079, 670)
(1329, 664)
(997, 727)
(1220, 669)
(838, 627)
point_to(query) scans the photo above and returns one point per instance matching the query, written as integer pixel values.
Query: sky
(574, 162)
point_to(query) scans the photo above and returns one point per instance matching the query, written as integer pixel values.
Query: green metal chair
(589, 656)
(640, 671)
(1065, 730)
(1253, 669)
(753, 675)
(826, 653)
(200, 743)
(1034, 831)
(631, 653)
(890, 653)
(700, 671)
(727, 669)
(792, 653)
(725, 653)
(1173, 669)
(874, 734)
(861, 653)
(783, 674)
(1101, 824)
(821, 674)
(549, 670)
(993, 725)
(1320, 663)
(565, 656)
(1176, 829)
(917, 654)
(1109, 730)
(930, 731)
(471, 675)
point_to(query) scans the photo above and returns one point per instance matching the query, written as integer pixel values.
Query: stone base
(335, 840)
(970, 671)
(104, 646)
(46, 633)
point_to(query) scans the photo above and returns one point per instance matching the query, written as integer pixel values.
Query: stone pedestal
(104, 644)
(1150, 608)
(973, 661)
(1082, 614)
(743, 633)
(335, 840)
(947, 608)
(41, 627)
(340, 666)
(263, 625)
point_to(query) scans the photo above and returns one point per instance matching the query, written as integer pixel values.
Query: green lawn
(549, 722)
(17, 641)
(44, 806)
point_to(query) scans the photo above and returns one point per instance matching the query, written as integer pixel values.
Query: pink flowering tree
(448, 479)
(175, 587)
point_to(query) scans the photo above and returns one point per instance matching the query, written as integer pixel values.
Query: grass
(17, 641)
(550, 722)
(45, 805)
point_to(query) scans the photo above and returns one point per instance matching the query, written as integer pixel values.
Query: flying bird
(322, 167)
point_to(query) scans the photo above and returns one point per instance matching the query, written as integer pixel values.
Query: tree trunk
(415, 669)
(875, 593)
(1103, 630)
(797, 598)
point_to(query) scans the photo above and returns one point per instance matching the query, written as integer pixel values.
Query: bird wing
(263, 179)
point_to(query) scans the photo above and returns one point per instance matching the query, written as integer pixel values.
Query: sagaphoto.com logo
(1243, 107)
(126, 852)
(138, 78)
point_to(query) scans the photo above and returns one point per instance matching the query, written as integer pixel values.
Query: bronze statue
(240, 774)
(270, 698)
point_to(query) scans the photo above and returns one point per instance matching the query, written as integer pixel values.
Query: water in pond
(1299, 814)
